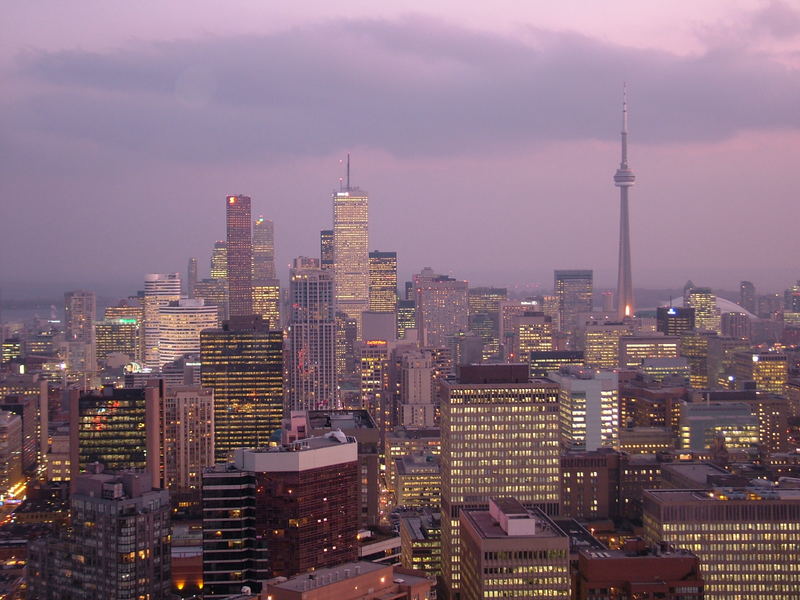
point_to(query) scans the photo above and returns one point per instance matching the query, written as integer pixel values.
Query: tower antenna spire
(348, 172)
(624, 162)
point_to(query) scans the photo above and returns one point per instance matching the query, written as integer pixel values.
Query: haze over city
(486, 136)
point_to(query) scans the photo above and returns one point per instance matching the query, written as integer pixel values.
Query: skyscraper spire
(624, 179)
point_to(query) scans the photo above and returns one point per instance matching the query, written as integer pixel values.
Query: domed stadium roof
(724, 306)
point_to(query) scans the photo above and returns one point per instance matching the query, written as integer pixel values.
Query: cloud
(778, 19)
(413, 86)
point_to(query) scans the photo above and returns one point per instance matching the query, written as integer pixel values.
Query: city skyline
(701, 159)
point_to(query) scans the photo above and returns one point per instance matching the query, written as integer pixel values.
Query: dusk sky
(486, 133)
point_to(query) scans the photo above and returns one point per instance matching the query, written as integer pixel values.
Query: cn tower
(624, 179)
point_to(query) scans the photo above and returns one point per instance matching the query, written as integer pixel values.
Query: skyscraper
(263, 250)
(674, 320)
(179, 326)
(159, 290)
(707, 314)
(312, 337)
(351, 250)
(240, 256)
(243, 364)
(382, 281)
(484, 317)
(191, 277)
(80, 311)
(747, 296)
(518, 455)
(442, 307)
(573, 288)
(326, 249)
(219, 260)
(624, 179)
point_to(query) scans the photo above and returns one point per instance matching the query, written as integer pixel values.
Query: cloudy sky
(486, 134)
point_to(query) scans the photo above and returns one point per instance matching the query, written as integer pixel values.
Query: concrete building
(707, 314)
(767, 371)
(636, 349)
(499, 437)
(419, 481)
(442, 308)
(601, 343)
(573, 288)
(532, 332)
(179, 325)
(301, 498)
(80, 313)
(159, 290)
(421, 542)
(382, 282)
(674, 320)
(510, 551)
(263, 251)
(10, 454)
(416, 407)
(484, 317)
(588, 407)
(702, 424)
(745, 538)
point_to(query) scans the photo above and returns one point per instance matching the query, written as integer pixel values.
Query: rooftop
(342, 572)
(340, 419)
(506, 518)
(724, 494)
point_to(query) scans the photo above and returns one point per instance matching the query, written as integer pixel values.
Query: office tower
(484, 317)
(466, 348)
(517, 455)
(374, 382)
(353, 581)
(421, 542)
(669, 573)
(402, 441)
(326, 249)
(117, 544)
(419, 481)
(379, 326)
(635, 349)
(382, 281)
(590, 484)
(624, 179)
(743, 537)
(735, 325)
(542, 363)
(532, 332)
(406, 317)
(589, 408)
(311, 338)
(11, 445)
(239, 256)
(267, 301)
(11, 350)
(179, 325)
(183, 417)
(510, 551)
(219, 260)
(159, 290)
(263, 250)
(704, 424)
(27, 409)
(768, 371)
(673, 320)
(80, 310)
(695, 348)
(243, 364)
(347, 366)
(442, 307)
(214, 292)
(191, 277)
(573, 288)
(747, 296)
(282, 511)
(706, 311)
(416, 409)
(607, 298)
(601, 344)
(356, 424)
(351, 250)
(117, 336)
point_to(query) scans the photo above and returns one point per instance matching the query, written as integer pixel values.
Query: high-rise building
(374, 379)
(510, 551)
(768, 371)
(541, 363)
(311, 338)
(239, 255)
(635, 349)
(589, 408)
(484, 317)
(674, 320)
(267, 301)
(191, 277)
(382, 281)
(80, 311)
(416, 409)
(214, 292)
(108, 427)
(117, 336)
(159, 290)
(533, 332)
(11, 446)
(624, 179)
(279, 512)
(326, 249)
(703, 424)
(406, 317)
(574, 289)
(519, 456)
(351, 250)
(736, 325)
(601, 344)
(28, 409)
(219, 260)
(743, 537)
(117, 544)
(179, 325)
(706, 312)
(243, 363)
(263, 250)
(442, 308)
(747, 296)
(421, 542)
